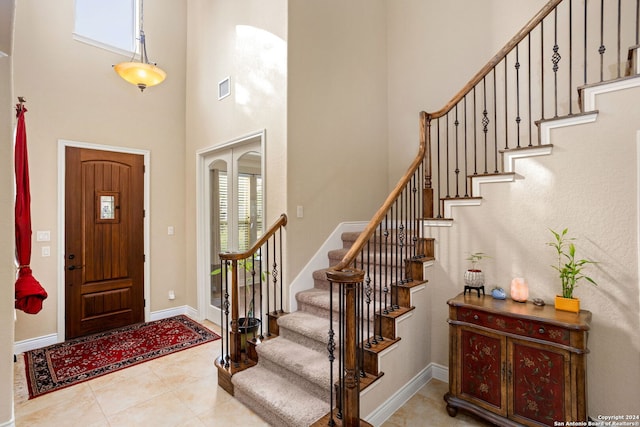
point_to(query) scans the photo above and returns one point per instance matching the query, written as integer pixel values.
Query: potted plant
(474, 277)
(570, 270)
(249, 325)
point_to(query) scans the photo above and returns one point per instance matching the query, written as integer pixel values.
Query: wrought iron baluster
(447, 146)
(475, 134)
(584, 65)
(619, 37)
(570, 57)
(439, 188)
(485, 121)
(542, 69)
(342, 342)
(555, 59)
(457, 169)
(275, 274)
(331, 347)
(518, 119)
(416, 225)
(381, 280)
(376, 278)
(530, 126)
(495, 114)
(506, 113)
(263, 282)
(267, 290)
(367, 292)
(466, 151)
(602, 49)
(386, 262)
(281, 258)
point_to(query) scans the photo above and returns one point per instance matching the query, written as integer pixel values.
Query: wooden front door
(104, 240)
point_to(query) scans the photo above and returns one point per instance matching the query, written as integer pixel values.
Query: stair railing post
(235, 336)
(427, 191)
(349, 280)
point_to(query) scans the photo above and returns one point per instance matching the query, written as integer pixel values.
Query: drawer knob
(541, 331)
(475, 317)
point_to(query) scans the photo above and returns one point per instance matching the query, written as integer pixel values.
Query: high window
(108, 24)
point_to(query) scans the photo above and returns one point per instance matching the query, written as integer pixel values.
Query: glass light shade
(140, 74)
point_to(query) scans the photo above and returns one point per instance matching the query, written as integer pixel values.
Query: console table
(516, 363)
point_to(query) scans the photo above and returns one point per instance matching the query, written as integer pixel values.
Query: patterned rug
(71, 362)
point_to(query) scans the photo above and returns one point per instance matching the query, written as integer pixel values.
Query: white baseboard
(401, 396)
(46, 340)
(174, 311)
(33, 343)
(10, 423)
(440, 372)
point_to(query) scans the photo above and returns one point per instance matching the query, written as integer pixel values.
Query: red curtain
(29, 292)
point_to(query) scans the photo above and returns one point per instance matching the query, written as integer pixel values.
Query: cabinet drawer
(524, 327)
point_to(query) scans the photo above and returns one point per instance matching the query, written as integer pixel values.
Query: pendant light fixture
(144, 73)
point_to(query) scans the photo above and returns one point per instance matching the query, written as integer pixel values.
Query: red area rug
(72, 362)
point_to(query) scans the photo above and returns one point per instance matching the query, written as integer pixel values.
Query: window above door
(111, 25)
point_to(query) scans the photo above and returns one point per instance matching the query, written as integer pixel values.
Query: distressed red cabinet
(516, 363)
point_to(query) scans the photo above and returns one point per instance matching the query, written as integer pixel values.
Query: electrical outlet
(172, 295)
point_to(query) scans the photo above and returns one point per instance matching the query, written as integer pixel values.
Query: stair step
(375, 280)
(510, 156)
(309, 369)
(306, 329)
(279, 401)
(317, 302)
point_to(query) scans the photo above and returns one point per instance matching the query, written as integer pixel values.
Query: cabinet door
(482, 358)
(538, 379)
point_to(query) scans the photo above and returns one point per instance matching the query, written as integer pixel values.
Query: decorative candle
(519, 290)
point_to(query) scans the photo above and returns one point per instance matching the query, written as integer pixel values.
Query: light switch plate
(43, 236)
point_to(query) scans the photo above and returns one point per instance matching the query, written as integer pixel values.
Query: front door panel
(104, 242)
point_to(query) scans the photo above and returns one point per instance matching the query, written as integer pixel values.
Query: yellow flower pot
(567, 304)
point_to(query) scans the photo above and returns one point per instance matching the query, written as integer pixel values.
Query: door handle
(74, 267)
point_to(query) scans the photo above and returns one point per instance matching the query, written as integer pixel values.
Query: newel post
(235, 337)
(349, 281)
(425, 140)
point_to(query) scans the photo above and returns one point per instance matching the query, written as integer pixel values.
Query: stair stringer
(509, 158)
(403, 361)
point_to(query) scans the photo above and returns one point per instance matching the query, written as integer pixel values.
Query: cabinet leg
(452, 411)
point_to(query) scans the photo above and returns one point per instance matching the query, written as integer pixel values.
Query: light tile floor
(181, 390)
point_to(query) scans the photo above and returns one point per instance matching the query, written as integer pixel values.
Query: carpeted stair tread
(283, 403)
(308, 366)
(317, 302)
(306, 329)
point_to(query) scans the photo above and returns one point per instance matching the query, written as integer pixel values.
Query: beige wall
(431, 57)
(590, 185)
(73, 94)
(584, 185)
(337, 132)
(7, 266)
(247, 42)
(338, 87)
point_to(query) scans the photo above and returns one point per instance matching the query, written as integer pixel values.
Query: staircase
(291, 383)
(476, 139)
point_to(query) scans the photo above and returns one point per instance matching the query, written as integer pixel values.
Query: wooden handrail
(364, 237)
(502, 53)
(235, 337)
(230, 256)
